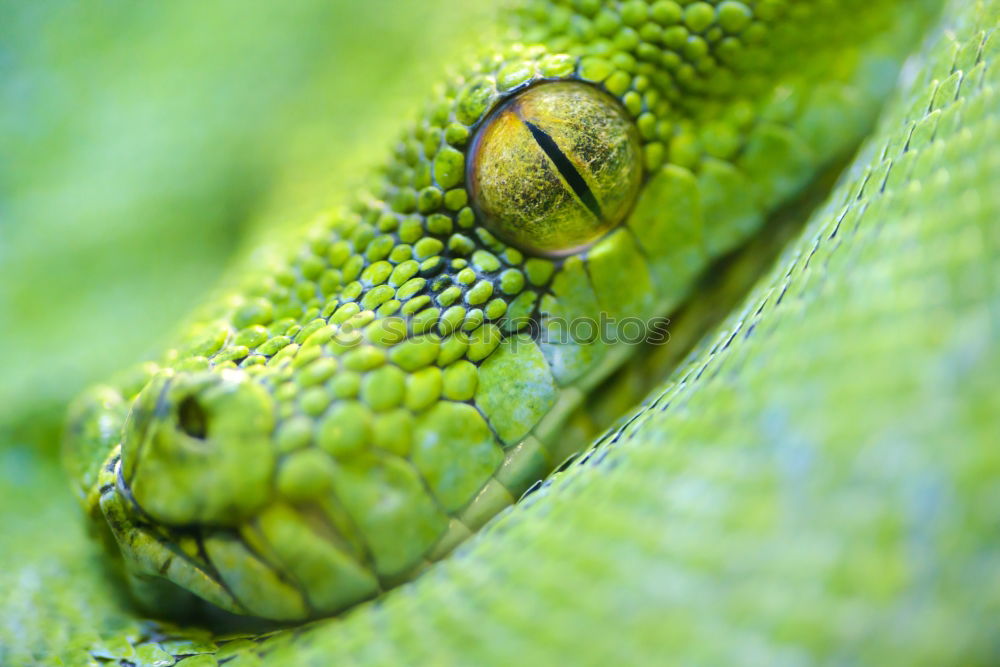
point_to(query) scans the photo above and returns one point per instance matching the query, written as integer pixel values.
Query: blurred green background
(143, 144)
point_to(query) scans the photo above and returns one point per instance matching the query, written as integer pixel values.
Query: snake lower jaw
(154, 565)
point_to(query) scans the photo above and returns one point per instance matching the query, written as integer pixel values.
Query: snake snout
(196, 448)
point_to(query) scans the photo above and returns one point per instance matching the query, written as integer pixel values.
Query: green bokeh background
(144, 144)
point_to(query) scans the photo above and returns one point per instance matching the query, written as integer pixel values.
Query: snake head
(196, 460)
(356, 407)
(298, 454)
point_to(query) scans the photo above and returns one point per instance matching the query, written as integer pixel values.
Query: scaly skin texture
(815, 483)
(355, 408)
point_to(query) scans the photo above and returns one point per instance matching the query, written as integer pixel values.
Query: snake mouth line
(121, 487)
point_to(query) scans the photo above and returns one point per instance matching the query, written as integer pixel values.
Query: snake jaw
(163, 578)
(257, 569)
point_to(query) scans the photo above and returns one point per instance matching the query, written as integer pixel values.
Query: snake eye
(555, 167)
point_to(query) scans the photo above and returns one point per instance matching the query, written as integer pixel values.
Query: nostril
(192, 419)
(196, 447)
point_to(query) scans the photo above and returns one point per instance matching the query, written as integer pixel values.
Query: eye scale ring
(555, 167)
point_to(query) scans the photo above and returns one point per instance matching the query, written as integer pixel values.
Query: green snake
(814, 482)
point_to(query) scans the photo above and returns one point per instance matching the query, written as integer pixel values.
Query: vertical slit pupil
(566, 169)
(192, 419)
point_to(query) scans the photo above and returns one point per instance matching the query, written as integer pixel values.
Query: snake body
(787, 494)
